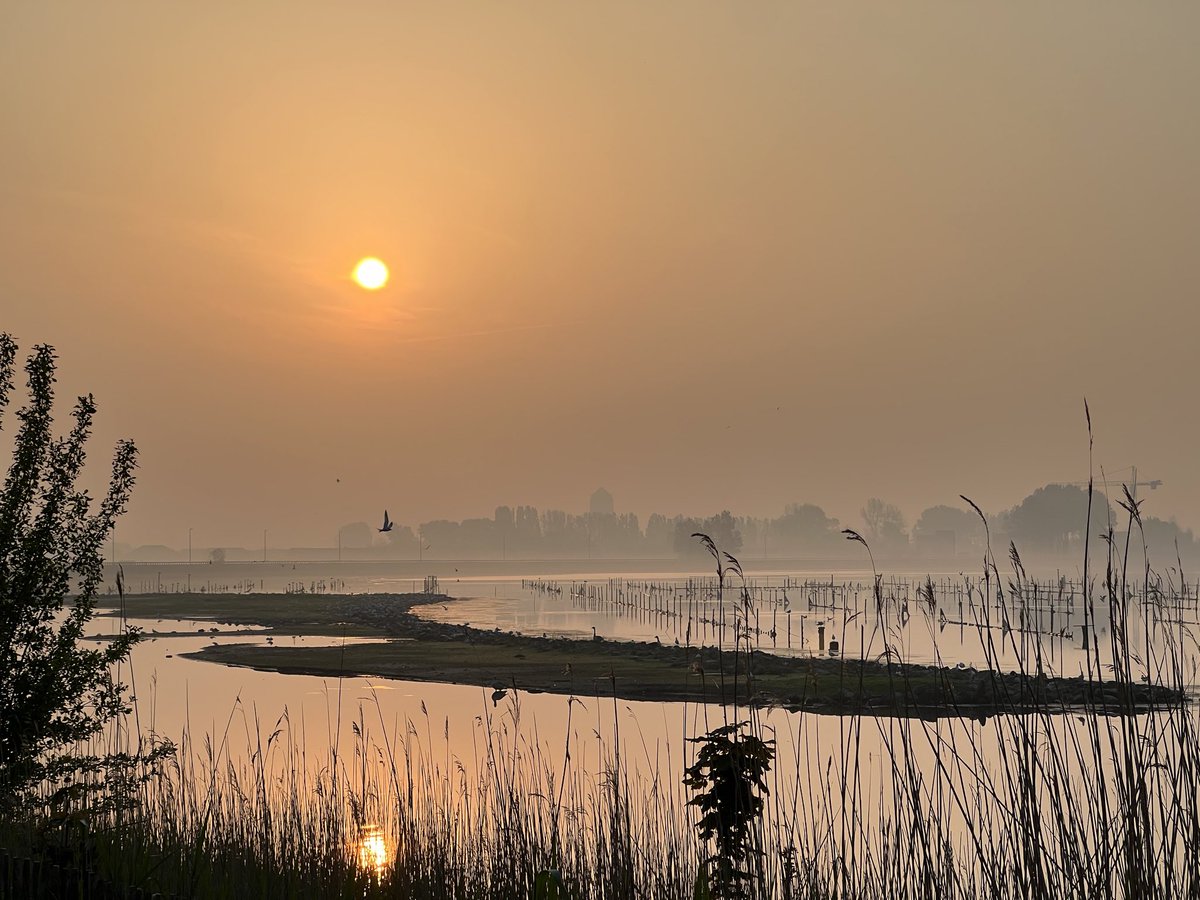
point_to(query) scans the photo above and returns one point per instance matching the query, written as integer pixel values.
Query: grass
(1099, 797)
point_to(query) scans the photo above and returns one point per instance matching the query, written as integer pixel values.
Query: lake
(828, 769)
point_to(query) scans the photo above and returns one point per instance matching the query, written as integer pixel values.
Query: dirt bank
(413, 649)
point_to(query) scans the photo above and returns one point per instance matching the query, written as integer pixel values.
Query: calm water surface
(448, 725)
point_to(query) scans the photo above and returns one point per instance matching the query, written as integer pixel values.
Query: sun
(371, 273)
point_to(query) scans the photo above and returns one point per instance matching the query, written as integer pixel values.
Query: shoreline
(414, 649)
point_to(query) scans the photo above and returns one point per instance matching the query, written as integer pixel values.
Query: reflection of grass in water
(1036, 805)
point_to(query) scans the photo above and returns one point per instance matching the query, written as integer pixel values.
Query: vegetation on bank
(421, 650)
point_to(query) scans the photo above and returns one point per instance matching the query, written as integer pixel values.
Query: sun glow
(371, 273)
(372, 850)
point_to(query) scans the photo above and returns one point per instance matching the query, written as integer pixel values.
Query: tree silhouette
(965, 526)
(54, 694)
(1053, 518)
(885, 524)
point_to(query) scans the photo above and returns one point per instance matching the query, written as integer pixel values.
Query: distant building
(601, 503)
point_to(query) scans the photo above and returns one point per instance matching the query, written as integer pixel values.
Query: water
(446, 725)
(1050, 628)
(1046, 626)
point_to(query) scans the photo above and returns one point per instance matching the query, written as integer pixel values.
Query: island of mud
(413, 649)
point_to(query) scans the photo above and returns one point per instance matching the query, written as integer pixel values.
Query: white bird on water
(387, 523)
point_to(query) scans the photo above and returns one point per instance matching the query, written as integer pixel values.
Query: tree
(528, 525)
(722, 528)
(1053, 518)
(885, 524)
(54, 694)
(1164, 539)
(804, 528)
(660, 535)
(963, 528)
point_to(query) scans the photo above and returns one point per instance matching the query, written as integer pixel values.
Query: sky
(706, 255)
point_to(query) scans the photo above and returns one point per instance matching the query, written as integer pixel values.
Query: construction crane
(1133, 483)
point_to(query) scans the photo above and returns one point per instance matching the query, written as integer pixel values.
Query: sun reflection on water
(372, 849)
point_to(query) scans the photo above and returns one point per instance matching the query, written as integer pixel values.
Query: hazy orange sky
(707, 255)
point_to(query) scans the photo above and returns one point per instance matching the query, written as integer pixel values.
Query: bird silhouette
(387, 523)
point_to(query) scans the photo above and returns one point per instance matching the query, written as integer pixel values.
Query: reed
(1054, 803)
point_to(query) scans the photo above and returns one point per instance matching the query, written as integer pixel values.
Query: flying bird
(387, 523)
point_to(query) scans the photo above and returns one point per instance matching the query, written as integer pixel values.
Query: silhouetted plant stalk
(729, 774)
(729, 778)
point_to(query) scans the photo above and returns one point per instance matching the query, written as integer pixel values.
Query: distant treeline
(1048, 521)
(1051, 520)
